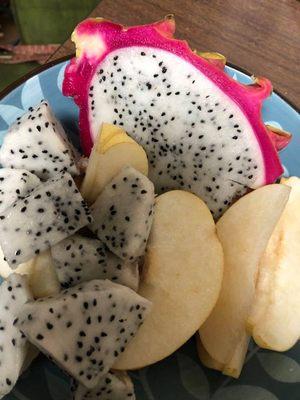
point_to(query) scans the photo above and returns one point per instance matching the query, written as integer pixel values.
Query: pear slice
(43, 280)
(244, 231)
(112, 151)
(264, 281)
(205, 358)
(235, 365)
(278, 325)
(182, 278)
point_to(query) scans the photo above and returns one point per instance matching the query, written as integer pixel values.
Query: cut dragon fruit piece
(37, 142)
(123, 214)
(49, 214)
(116, 385)
(14, 293)
(201, 129)
(85, 328)
(15, 184)
(80, 259)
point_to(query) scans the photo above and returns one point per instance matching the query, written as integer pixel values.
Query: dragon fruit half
(202, 130)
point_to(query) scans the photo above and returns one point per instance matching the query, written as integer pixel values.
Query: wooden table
(261, 36)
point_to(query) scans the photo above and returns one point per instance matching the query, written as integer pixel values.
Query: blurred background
(35, 22)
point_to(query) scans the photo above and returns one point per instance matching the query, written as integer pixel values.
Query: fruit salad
(172, 221)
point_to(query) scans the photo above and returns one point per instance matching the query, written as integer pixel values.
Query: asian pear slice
(278, 327)
(112, 151)
(182, 277)
(244, 231)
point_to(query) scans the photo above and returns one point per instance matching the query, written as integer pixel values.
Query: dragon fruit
(78, 259)
(85, 328)
(115, 385)
(123, 214)
(52, 212)
(15, 184)
(37, 142)
(14, 293)
(202, 130)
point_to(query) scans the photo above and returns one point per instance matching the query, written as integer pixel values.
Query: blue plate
(266, 375)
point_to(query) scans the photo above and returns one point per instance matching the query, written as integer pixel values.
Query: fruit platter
(149, 226)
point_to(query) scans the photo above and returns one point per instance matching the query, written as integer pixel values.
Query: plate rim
(41, 68)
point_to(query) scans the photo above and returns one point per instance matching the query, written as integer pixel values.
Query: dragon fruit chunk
(14, 293)
(116, 385)
(85, 328)
(202, 130)
(52, 212)
(37, 142)
(15, 184)
(123, 214)
(79, 259)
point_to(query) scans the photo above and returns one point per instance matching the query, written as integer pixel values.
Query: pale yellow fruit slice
(278, 327)
(264, 281)
(182, 277)
(112, 151)
(205, 358)
(43, 279)
(244, 231)
(235, 365)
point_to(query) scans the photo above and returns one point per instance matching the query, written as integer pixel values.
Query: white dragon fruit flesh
(123, 214)
(79, 259)
(14, 293)
(116, 385)
(85, 328)
(37, 142)
(52, 212)
(15, 184)
(202, 130)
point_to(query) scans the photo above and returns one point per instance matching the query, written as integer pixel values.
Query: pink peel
(80, 72)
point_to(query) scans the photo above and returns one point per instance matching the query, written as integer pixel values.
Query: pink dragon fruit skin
(96, 38)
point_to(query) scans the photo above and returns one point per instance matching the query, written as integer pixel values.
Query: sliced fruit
(43, 279)
(244, 231)
(205, 358)
(235, 365)
(112, 151)
(278, 325)
(182, 277)
(264, 281)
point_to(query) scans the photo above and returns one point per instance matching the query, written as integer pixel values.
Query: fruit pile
(173, 225)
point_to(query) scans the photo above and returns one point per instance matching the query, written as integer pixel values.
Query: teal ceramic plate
(266, 375)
